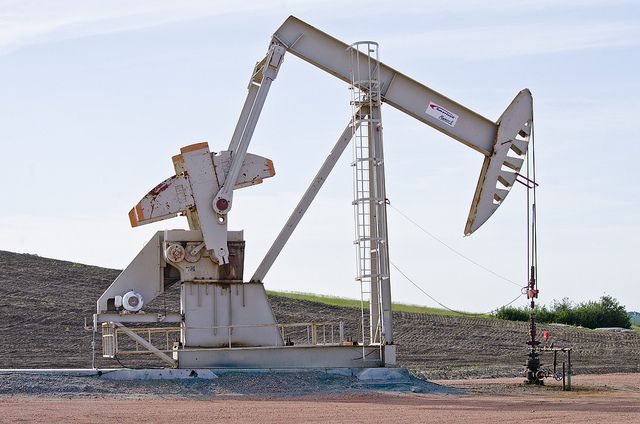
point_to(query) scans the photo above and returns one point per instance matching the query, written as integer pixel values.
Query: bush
(605, 313)
(512, 313)
(545, 315)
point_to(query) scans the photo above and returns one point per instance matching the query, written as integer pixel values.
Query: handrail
(317, 335)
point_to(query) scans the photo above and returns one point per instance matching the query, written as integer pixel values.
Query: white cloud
(24, 22)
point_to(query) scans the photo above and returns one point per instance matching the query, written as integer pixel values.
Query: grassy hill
(355, 303)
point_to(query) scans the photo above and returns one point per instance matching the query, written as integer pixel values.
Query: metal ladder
(365, 96)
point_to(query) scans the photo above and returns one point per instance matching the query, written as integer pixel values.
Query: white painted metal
(268, 72)
(198, 266)
(132, 301)
(211, 295)
(210, 308)
(407, 95)
(140, 318)
(144, 274)
(199, 173)
(365, 90)
(389, 355)
(246, 109)
(210, 258)
(285, 357)
(204, 182)
(499, 170)
(174, 196)
(370, 193)
(398, 90)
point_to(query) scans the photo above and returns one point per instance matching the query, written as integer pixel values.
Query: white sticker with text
(442, 114)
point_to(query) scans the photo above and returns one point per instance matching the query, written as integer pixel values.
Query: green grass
(636, 329)
(354, 303)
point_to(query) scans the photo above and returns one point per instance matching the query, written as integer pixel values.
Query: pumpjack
(225, 320)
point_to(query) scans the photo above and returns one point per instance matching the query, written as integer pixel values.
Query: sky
(95, 98)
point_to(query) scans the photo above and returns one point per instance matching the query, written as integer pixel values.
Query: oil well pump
(225, 319)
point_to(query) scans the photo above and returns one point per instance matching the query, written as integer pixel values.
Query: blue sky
(97, 96)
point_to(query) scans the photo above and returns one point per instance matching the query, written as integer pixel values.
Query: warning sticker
(442, 114)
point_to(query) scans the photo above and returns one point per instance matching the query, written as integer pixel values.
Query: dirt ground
(610, 398)
(43, 303)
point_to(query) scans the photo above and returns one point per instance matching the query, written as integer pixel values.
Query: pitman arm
(265, 72)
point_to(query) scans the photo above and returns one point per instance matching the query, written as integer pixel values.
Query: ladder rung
(359, 239)
(375, 121)
(367, 159)
(365, 199)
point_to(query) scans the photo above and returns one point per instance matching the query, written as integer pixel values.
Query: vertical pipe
(569, 371)
(215, 310)
(230, 313)
(93, 349)
(563, 374)
(115, 339)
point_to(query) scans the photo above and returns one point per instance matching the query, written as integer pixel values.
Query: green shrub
(607, 312)
(512, 313)
(545, 315)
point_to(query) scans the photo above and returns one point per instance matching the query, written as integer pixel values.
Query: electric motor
(132, 301)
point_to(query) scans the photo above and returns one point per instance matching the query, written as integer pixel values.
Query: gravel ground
(596, 399)
(228, 384)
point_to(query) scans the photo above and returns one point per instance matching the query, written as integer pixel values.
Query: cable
(535, 201)
(452, 249)
(443, 305)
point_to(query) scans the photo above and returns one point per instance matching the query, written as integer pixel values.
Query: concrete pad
(158, 374)
(395, 375)
(369, 375)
